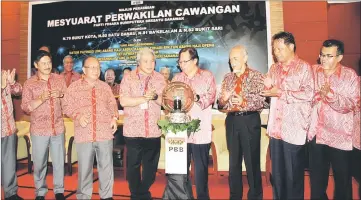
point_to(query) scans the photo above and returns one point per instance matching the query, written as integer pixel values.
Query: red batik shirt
(289, 118)
(249, 85)
(141, 122)
(70, 77)
(7, 110)
(96, 101)
(333, 116)
(203, 83)
(47, 119)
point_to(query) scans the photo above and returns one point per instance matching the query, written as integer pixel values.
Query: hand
(150, 95)
(273, 92)
(45, 96)
(325, 89)
(196, 97)
(226, 95)
(236, 99)
(114, 125)
(4, 79)
(84, 120)
(55, 94)
(11, 77)
(267, 82)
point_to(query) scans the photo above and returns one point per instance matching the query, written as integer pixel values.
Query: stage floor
(218, 186)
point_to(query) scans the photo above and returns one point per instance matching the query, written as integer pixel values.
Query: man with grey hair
(165, 71)
(140, 95)
(241, 99)
(68, 73)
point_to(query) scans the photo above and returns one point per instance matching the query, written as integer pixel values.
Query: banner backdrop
(113, 31)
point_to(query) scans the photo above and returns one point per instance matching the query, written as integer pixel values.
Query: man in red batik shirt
(337, 91)
(42, 96)
(91, 104)
(290, 86)
(8, 135)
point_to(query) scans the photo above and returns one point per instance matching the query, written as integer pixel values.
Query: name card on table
(176, 153)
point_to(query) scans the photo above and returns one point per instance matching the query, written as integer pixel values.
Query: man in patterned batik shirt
(240, 97)
(203, 84)
(91, 104)
(42, 96)
(141, 97)
(69, 74)
(290, 85)
(356, 151)
(332, 122)
(8, 135)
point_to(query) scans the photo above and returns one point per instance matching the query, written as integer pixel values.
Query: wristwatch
(155, 97)
(198, 97)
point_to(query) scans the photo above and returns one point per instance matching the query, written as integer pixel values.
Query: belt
(242, 113)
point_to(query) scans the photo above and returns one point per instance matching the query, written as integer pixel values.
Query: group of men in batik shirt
(316, 105)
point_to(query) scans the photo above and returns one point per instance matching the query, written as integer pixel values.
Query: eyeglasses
(92, 67)
(326, 55)
(184, 62)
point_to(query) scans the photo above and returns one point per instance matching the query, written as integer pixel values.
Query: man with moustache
(9, 181)
(91, 105)
(141, 97)
(69, 75)
(241, 99)
(290, 85)
(337, 98)
(42, 96)
(203, 84)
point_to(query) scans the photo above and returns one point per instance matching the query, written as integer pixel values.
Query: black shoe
(59, 196)
(14, 197)
(40, 198)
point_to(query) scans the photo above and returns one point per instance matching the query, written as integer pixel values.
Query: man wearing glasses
(337, 94)
(91, 105)
(203, 84)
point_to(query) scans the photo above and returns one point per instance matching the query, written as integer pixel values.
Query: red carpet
(218, 187)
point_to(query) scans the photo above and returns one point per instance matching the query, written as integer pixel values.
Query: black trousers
(243, 135)
(321, 157)
(356, 168)
(287, 169)
(200, 155)
(145, 152)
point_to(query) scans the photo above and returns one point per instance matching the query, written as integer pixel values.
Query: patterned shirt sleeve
(16, 89)
(27, 97)
(347, 102)
(208, 98)
(252, 94)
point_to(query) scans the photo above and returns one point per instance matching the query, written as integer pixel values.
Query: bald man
(240, 98)
(91, 105)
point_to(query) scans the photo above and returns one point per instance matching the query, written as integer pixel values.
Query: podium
(179, 185)
(178, 98)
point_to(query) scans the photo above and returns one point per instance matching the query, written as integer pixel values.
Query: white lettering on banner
(207, 10)
(74, 21)
(176, 153)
